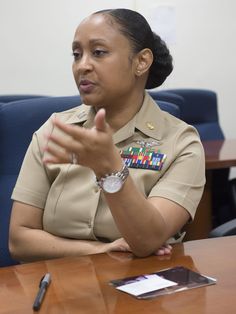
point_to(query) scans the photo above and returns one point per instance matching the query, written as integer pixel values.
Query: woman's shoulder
(69, 116)
(164, 124)
(73, 115)
(179, 132)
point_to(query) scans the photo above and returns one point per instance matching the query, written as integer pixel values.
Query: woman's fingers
(71, 130)
(165, 249)
(122, 245)
(64, 142)
(62, 146)
(74, 144)
(100, 120)
(119, 245)
(55, 155)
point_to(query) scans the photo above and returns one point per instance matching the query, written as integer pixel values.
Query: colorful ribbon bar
(143, 158)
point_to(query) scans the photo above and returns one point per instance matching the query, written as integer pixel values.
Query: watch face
(112, 184)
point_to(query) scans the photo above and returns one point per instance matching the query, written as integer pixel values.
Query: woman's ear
(143, 61)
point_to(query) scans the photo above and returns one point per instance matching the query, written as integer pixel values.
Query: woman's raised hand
(91, 148)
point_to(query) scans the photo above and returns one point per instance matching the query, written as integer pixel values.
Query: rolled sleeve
(183, 182)
(33, 184)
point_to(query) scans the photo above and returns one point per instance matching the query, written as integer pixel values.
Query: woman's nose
(84, 64)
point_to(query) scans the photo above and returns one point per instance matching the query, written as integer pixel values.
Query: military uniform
(73, 205)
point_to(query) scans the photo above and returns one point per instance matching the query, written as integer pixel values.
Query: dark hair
(136, 28)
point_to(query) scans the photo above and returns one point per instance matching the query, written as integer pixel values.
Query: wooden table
(81, 285)
(218, 154)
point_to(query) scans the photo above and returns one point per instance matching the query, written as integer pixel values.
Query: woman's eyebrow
(92, 41)
(75, 44)
(97, 40)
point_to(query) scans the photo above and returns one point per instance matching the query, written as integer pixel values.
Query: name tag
(143, 158)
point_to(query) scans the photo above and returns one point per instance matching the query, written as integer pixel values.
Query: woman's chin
(91, 101)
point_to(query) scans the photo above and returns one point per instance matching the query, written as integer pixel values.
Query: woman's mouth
(86, 86)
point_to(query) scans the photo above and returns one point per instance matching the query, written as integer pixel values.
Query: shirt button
(96, 189)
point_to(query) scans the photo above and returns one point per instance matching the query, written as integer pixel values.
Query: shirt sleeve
(184, 179)
(33, 183)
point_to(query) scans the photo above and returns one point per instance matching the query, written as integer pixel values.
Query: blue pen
(43, 285)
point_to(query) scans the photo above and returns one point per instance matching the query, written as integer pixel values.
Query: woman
(116, 173)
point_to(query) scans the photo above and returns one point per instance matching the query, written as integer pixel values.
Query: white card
(147, 283)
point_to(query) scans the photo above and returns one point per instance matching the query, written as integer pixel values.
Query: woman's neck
(122, 112)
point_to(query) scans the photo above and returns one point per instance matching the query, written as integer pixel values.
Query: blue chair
(168, 97)
(18, 121)
(169, 107)
(9, 98)
(226, 229)
(200, 109)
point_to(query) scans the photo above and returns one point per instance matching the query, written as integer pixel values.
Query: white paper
(163, 21)
(146, 284)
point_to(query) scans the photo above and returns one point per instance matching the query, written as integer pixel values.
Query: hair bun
(162, 64)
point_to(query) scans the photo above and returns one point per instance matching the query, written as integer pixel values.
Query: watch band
(119, 175)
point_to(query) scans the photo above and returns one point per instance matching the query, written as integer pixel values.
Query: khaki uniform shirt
(73, 205)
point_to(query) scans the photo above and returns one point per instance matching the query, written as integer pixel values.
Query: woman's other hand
(122, 246)
(165, 249)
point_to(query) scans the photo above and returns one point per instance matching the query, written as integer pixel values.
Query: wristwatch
(113, 182)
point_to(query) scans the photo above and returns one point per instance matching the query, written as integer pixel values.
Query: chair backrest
(169, 97)
(9, 98)
(226, 229)
(18, 121)
(200, 109)
(169, 107)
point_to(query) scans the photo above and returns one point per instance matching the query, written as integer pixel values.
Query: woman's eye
(99, 52)
(76, 55)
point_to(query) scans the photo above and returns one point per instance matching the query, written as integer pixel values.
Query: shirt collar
(83, 115)
(149, 120)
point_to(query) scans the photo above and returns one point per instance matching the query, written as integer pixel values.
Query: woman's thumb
(100, 120)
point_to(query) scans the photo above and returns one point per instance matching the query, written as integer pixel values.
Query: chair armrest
(226, 229)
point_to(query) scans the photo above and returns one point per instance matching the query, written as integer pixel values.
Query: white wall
(35, 39)
(205, 51)
(36, 36)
